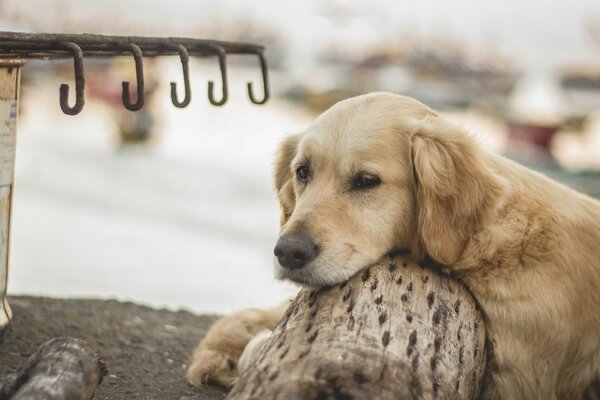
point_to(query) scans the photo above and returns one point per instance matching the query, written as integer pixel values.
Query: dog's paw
(215, 360)
(210, 366)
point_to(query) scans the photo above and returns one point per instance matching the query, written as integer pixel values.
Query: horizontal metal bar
(18, 46)
(43, 45)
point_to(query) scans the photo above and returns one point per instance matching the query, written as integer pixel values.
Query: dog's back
(535, 269)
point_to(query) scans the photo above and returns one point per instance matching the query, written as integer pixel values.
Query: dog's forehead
(369, 115)
(368, 126)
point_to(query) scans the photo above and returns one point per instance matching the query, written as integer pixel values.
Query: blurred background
(174, 207)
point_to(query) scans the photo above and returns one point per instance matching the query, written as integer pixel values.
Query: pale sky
(541, 34)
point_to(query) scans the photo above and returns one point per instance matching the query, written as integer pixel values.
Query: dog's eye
(365, 181)
(302, 173)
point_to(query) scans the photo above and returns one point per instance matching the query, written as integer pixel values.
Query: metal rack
(14, 45)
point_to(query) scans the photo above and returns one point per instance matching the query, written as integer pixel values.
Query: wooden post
(394, 331)
(10, 71)
(61, 369)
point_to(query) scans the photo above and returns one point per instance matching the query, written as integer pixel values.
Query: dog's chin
(305, 283)
(302, 278)
(310, 276)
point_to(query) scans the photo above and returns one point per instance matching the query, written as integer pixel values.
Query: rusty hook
(223, 67)
(79, 82)
(185, 65)
(263, 67)
(139, 74)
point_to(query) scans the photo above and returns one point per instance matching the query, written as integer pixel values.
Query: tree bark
(61, 369)
(394, 331)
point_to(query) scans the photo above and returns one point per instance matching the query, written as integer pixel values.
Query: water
(187, 223)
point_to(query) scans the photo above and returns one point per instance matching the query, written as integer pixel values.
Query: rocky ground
(146, 350)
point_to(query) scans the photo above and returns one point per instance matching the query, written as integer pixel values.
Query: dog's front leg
(216, 356)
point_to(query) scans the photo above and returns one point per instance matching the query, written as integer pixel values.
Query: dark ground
(145, 350)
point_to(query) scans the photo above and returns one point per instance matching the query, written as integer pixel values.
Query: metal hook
(139, 74)
(263, 67)
(79, 82)
(211, 85)
(185, 65)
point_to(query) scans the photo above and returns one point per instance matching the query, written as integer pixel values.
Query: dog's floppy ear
(284, 177)
(455, 189)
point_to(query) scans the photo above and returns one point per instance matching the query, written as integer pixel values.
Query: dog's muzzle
(295, 251)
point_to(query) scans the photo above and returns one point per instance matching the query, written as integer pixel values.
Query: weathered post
(394, 331)
(10, 72)
(61, 369)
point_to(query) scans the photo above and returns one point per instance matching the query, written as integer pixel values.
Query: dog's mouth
(316, 275)
(398, 253)
(304, 277)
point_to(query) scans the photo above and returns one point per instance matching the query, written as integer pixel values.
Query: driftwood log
(394, 331)
(61, 369)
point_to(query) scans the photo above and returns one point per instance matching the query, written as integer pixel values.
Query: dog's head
(374, 174)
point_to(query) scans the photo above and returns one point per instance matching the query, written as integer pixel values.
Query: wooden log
(395, 331)
(61, 369)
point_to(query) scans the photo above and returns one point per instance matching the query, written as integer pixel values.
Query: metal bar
(58, 46)
(42, 45)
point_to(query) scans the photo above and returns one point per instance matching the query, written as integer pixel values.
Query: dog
(381, 172)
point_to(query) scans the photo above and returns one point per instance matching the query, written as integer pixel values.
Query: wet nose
(295, 251)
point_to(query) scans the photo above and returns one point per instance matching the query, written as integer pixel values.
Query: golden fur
(216, 358)
(527, 247)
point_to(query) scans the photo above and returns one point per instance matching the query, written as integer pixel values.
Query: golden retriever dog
(382, 172)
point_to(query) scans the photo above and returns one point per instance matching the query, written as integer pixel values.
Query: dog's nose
(295, 251)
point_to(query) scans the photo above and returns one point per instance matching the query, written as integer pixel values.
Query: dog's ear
(456, 190)
(284, 176)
